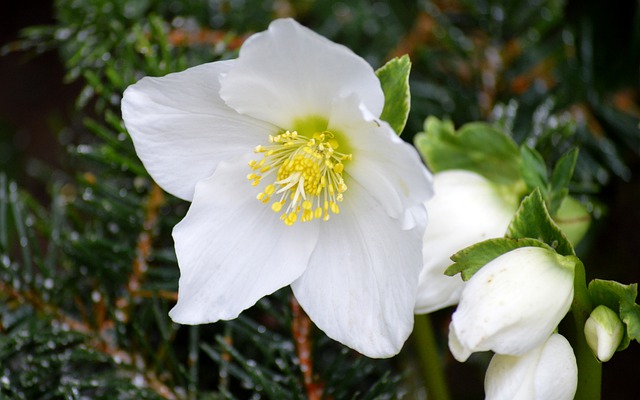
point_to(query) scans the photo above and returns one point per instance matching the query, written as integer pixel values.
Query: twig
(143, 248)
(186, 38)
(301, 327)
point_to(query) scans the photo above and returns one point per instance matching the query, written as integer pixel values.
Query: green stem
(589, 368)
(430, 359)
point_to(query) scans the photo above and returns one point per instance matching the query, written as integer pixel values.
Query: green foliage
(533, 169)
(476, 147)
(532, 220)
(621, 299)
(394, 78)
(469, 260)
(534, 172)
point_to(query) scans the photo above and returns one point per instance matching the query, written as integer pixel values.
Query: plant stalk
(430, 360)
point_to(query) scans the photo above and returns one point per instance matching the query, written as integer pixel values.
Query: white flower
(513, 303)
(603, 331)
(465, 209)
(294, 180)
(547, 372)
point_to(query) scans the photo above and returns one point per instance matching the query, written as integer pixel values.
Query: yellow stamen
(308, 171)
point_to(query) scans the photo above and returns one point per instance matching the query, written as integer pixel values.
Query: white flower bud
(466, 209)
(547, 372)
(603, 331)
(513, 303)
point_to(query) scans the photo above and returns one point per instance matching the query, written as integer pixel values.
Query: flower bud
(466, 209)
(513, 303)
(573, 219)
(603, 331)
(548, 371)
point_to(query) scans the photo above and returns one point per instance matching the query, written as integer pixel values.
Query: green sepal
(622, 299)
(394, 78)
(476, 146)
(532, 220)
(469, 260)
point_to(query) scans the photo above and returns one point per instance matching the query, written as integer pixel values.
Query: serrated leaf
(394, 78)
(611, 293)
(533, 169)
(477, 147)
(621, 299)
(630, 315)
(469, 260)
(532, 220)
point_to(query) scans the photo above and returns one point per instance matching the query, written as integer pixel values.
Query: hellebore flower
(294, 180)
(466, 208)
(547, 372)
(513, 303)
(603, 331)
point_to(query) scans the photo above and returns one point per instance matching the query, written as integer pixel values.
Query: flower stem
(589, 368)
(430, 360)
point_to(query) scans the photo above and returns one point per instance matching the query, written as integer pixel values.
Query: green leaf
(469, 260)
(477, 147)
(611, 293)
(533, 169)
(562, 174)
(394, 78)
(532, 220)
(630, 315)
(622, 299)
(563, 170)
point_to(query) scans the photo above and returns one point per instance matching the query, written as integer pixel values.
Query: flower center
(308, 181)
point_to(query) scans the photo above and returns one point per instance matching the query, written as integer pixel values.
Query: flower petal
(290, 72)
(515, 302)
(361, 281)
(547, 372)
(387, 167)
(233, 250)
(181, 128)
(466, 209)
(557, 373)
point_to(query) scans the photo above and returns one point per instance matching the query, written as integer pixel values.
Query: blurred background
(88, 271)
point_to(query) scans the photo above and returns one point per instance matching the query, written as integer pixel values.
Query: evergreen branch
(144, 246)
(101, 342)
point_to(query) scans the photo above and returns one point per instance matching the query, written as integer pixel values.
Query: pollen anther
(308, 174)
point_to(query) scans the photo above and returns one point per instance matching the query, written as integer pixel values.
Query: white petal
(361, 282)
(511, 377)
(547, 372)
(290, 72)
(181, 128)
(514, 302)
(466, 209)
(459, 352)
(557, 373)
(233, 250)
(437, 290)
(387, 167)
